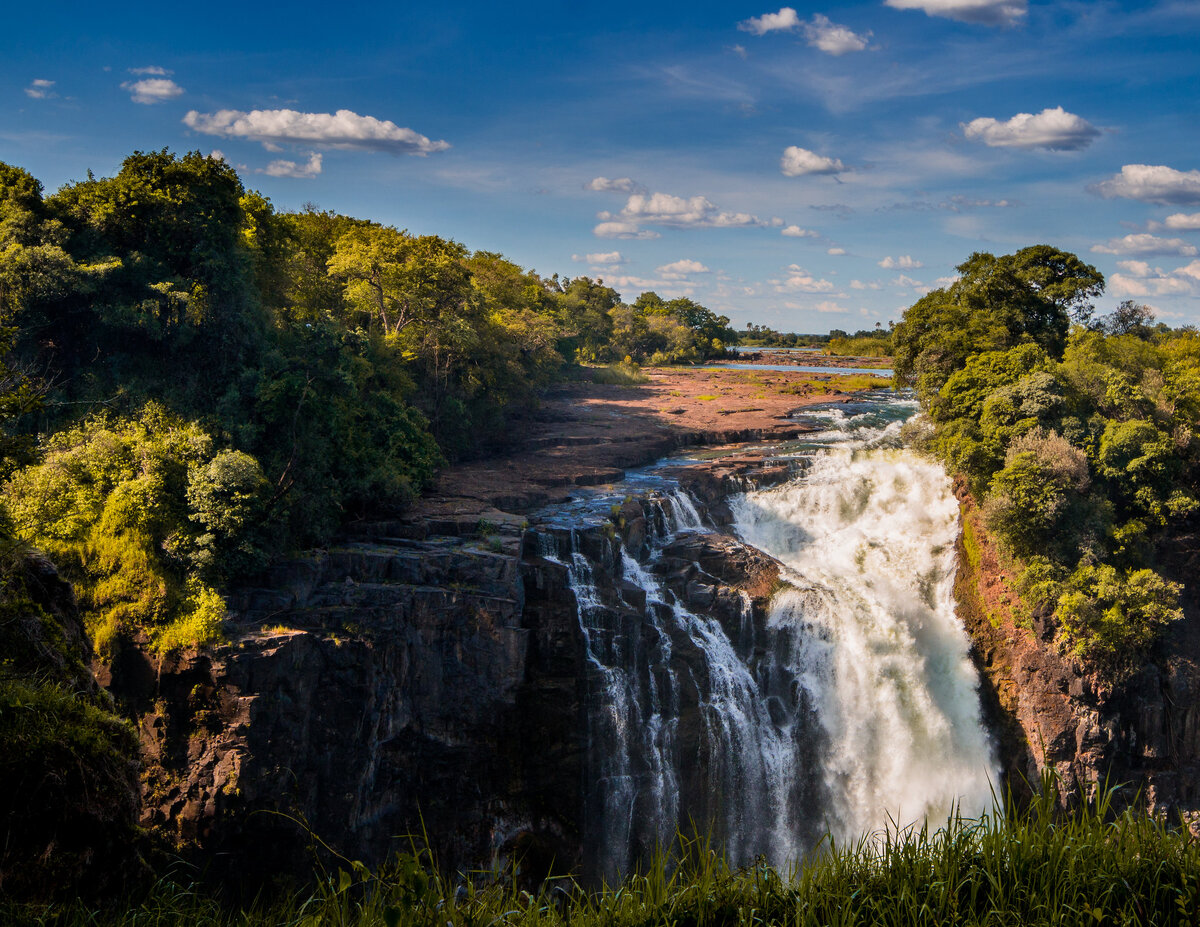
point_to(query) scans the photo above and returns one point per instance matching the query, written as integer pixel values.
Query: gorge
(761, 645)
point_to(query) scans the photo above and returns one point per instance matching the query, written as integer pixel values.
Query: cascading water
(869, 630)
(854, 706)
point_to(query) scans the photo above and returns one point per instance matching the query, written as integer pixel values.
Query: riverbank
(587, 434)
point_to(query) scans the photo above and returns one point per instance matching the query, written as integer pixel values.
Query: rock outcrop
(1052, 714)
(423, 683)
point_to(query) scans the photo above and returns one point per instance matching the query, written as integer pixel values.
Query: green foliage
(1113, 616)
(136, 511)
(996, 304)
(625, 373)
(873, 345)
(1082, 451)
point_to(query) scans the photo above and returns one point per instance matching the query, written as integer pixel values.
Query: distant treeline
(1077, 434)
(875, 342)
(193, 381)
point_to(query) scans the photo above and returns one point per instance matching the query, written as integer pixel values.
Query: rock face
(422, 684)
(381, 691)
(1051, 714)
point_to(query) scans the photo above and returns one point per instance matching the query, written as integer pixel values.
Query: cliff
(1051, 713)
(422, 683)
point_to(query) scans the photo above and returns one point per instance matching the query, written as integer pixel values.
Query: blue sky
(806, 167)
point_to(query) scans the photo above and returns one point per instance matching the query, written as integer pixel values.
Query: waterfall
(852, 705)
(869, 630)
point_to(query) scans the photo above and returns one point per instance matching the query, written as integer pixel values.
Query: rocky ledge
(423, 682)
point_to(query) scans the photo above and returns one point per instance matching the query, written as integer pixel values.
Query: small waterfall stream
(852, 705)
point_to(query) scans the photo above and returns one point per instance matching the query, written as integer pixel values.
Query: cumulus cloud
(1054, 129)
(797, 162)
(859, 285)
(1140, 279)
(152, 70)
(343, 129)
(152, 90)
(673, 211)
(784, 20)
(1144, 243)
(800, 279)
(794, 231)
(832, 38)
(609, 258)
(292, 169)
(617, 185)
(984, 12)
(40, 89)
(617, 229)
(1152, 183)
(1182, 222)
(836, 251)
(904, 262)
(679, 270)
(905, 280)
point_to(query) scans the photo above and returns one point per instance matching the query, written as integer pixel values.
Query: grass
(1034, 867)
(619, 375)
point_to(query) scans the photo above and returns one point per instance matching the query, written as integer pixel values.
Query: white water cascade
(868, 538)
(851, 707)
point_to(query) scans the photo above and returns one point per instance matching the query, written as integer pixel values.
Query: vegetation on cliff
(1077, 434)
(194, 381)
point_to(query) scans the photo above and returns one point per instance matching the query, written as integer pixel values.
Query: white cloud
(986, 12)
(836, 251)
(617, 185)
(1054, 129)
(152, 90)
(1152, 183)
(1183, 222)
(946, 281)
(609, 258)
(40, 89)
(905, 280)
(1144, 243)
(799, 161)
(678, 270)
(1140, 279)
(904, 262)
(833, 39)
(673, 211)
(785, 19)
(794, 231)
(152, 70)
(859, 285)
(343, 129)
(826, 306)
(612, 229)
(800, 279)
(292, 169)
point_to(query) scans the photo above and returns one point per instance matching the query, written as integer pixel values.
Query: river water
(852, 707)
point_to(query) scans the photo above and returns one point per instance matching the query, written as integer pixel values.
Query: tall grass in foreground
(1034, 867)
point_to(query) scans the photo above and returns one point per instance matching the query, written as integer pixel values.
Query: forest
(1075, 432)
(194, 382)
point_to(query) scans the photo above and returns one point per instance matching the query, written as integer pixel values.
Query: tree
(996, 304)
